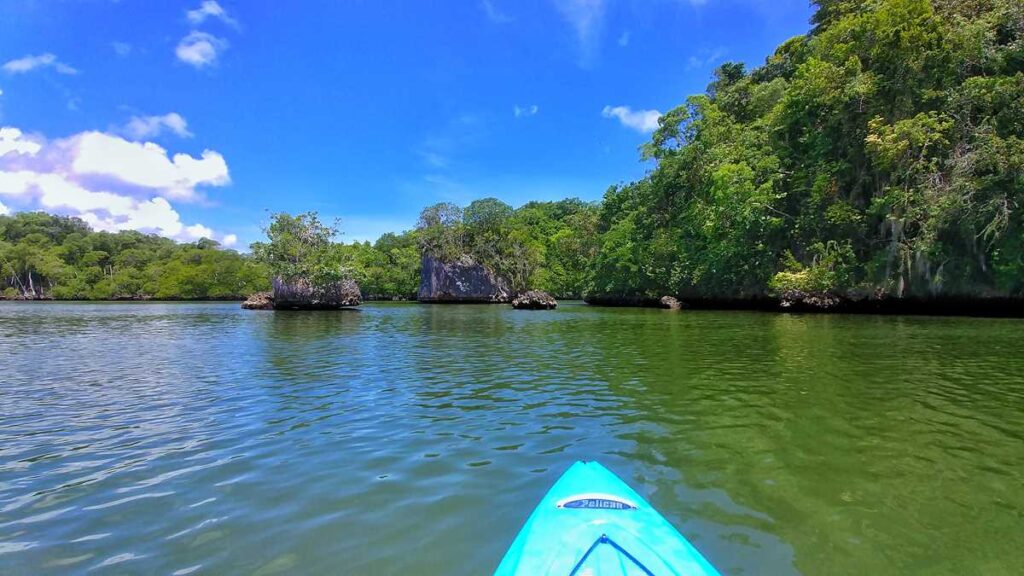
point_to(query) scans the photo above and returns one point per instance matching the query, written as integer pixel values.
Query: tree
(440, 231)
(301, 246)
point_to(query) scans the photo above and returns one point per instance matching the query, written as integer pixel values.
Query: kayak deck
(591, 523)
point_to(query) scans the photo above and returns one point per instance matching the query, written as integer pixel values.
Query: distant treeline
(881, 155)
(45, 256)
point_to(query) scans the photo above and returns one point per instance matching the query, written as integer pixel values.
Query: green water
(407, 439)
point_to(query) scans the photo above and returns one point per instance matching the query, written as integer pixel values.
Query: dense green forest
(60, 257)
(882, 153)
(879, 155)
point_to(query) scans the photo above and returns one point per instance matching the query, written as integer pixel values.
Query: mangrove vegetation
(879, 156)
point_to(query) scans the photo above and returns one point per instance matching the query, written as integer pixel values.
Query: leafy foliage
(55, 256)
(882, 151)
(543, 245)
(302, 246)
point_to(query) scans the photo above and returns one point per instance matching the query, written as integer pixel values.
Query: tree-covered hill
(881, 153)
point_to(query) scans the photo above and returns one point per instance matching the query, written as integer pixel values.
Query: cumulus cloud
(147, 164)
(587, 20)
(122, 49)
(4, 210)
(210, 9)
(200, 49)
(229, 240)
(493, 14)
(526, 111)
(12, 140)
(639, 120)
(142, 127)
(110, 183)
(29, 63)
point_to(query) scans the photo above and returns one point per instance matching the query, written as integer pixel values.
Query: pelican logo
(596, 502)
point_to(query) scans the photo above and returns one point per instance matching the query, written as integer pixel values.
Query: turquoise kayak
(591, 523)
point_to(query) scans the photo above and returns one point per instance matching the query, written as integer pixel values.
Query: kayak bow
(591, 523)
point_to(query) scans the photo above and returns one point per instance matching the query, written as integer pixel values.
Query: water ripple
(195, 438)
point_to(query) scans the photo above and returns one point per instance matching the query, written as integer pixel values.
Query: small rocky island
(301, 294)
(534, 300)
(308, 272)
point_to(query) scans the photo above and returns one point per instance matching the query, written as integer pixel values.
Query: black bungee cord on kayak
(604, 539)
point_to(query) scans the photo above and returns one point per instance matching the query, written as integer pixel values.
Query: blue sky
(196, 118)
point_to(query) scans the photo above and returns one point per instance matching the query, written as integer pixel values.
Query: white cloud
(55, 191)
(142, 127)
(624, 39)
(122, 49)
(29, 63)
(229, 240)
(527, 111)
(102, 210)
(148, 165)
(200, 49)
(1, 92)
(11, 140)
(198, 231)
(4, 210)
(210, 9)
(639, 120)
(493, 14)
(587, 20)
(110, 183)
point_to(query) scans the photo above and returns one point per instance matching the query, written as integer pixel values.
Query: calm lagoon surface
(415, 439)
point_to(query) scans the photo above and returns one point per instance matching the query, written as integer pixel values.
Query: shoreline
(995, 307)
(943, 307)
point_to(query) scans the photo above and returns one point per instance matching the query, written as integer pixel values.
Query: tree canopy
(56, 256)
(882, 152)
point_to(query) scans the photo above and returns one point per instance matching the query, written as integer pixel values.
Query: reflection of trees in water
(823, 430)
(777, 441)
(304, 345)
(465, 321)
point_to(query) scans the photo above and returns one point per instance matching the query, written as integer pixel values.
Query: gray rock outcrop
(798, 300)
(534, 300)
(670, 303)
(463, 280)
(259, 301)
(300, 294)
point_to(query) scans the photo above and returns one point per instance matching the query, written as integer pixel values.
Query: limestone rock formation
(259, 301)
(670, 303)
(534, 300)
(799, 301)
(463, 280)
(300, 294)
